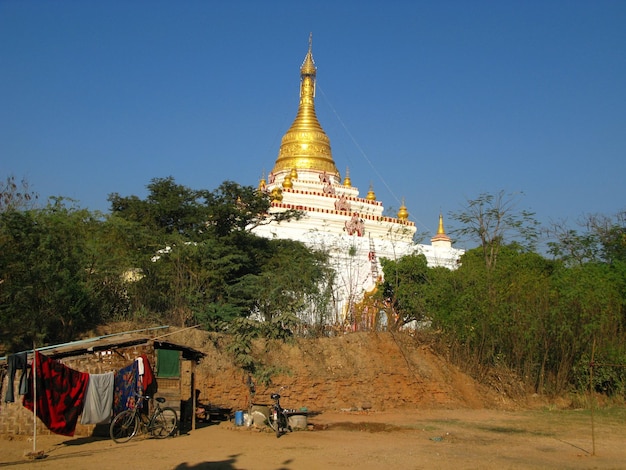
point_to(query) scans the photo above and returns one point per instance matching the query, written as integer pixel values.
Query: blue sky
(435, 102)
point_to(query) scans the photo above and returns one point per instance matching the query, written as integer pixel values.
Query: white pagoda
(350, 228)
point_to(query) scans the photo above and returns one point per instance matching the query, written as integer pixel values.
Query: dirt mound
(358, 371)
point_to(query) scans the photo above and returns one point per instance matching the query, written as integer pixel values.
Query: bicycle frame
(278, 419)
(161, 423)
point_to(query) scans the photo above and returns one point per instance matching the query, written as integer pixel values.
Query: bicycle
(160, 424)
(278, 420)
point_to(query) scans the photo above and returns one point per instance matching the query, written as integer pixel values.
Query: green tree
(407, 289)
(16, 195)
(493, 220)
(46, 293)
(573, 248)
(207, 266)
(591, 303)
(169, 209)
(588, 308)
(291, 274)
(611, 234)
(602, 239)
(498, 316)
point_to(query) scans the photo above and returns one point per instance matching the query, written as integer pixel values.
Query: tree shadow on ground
(217, 465)
(228, 464)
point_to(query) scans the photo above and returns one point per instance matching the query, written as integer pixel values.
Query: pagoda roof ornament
(305, 146)
(308, 65)
(441, 233)
(277, 194)
(440, 229)
(347, 182)
(403, 213)
(287, 183)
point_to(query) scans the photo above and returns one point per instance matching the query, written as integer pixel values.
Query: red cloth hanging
(60, 394)
(149, 381)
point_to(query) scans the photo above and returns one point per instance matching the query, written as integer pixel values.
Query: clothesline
(58, 394)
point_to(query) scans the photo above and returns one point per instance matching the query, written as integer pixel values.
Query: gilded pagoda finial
(277, 194)
(347, 182)
(403, 213)
(287, 183)
(440, 230)
(262, 183)
(308, 66)
(305, 146)
(441, 239)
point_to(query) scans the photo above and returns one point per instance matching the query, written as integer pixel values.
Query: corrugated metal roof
(118, 341)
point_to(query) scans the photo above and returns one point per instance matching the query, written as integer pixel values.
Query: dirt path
(429, 439)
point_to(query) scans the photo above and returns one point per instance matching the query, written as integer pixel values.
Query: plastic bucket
(298, 422)
(238, 418)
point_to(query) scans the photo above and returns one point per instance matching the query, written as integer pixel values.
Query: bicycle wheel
(279, 425)
(164, 423)
(273, 423)
(124, 426)
(284, 422)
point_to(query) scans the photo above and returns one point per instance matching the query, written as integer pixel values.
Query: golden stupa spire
(305, 146)
(262, 183)
(347, 182)
(440, 230)
(403, 213)
(441, 236)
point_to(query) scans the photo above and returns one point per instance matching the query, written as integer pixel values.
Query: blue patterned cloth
(125, 388)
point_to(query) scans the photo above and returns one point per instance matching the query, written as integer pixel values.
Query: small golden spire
(441, 239)
(277, 194)
(403, 213)
(287, 183)
(294, 174)
(346, 181)
(440, 230)
(262, 183)
(308, 66)
(371, 195)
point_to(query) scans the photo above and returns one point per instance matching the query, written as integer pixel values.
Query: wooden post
(34, 454)
(593, 427)
(193, 395)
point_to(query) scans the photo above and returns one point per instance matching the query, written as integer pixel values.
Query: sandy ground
(415, 439)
